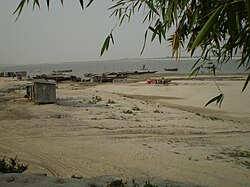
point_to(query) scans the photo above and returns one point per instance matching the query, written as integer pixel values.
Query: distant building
(42, 91)
(9, 74)
(14, 74)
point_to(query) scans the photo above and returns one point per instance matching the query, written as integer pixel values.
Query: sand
(160, 133)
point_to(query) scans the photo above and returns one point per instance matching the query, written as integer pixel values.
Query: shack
(42, 91)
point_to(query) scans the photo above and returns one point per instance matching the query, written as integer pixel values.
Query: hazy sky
(69, 34)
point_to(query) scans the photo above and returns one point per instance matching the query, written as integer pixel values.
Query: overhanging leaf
(48, 1)
(217, 99)
(206, 28)
(195, 72)
(152, 7)
(91, 1)
(144, 42)
(81, 3)
(19, 8)
(36, 2)
(246, 82)
(105, 45)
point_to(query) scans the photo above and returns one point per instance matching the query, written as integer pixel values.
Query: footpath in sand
(160, 133)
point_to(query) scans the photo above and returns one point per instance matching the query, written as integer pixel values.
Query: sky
(68, 34)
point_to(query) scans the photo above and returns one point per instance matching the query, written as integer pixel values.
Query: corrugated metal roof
(43, 81)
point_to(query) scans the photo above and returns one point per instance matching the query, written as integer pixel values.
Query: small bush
(157, 111)
(127, 112)
(110, 101)
(95, 99)
(76, 177)
(12, 166)
(117, 183)
(120, 183)
(136, 108)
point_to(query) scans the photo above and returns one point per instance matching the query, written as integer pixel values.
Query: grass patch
(240, 157)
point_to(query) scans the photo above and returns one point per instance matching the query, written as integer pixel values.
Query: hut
(42, 91)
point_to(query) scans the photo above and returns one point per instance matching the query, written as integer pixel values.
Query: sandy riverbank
(160, 133)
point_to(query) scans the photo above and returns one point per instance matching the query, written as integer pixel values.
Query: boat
(144, 70)
(171, 69)
(62, 71)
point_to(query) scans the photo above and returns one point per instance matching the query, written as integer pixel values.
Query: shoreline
(154, 132)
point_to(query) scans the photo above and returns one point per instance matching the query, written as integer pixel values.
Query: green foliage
(219, 29)
(121, 183)
(135, 108)
(95, 99)
(110, 101)
(127, 112)
(12, 166)
(117, 183)
(157, 111)
(148, 184)
(106, 43)
(218, 99)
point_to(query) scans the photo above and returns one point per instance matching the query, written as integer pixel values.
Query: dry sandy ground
(159, 133)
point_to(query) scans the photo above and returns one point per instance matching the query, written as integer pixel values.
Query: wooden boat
(62, 71)
(144, 70)
(171, 69)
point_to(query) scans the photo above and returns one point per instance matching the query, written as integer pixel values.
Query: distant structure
(15, 73)
(42, 91)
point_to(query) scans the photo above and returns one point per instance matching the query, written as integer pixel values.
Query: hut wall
(44, 93)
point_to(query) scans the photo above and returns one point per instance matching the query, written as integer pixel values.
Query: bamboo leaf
(152, 7)
(232, 24)
(246, 83)
(218, 99)
(81, 3)
(48, 1)
(112, 38)
(36, 2)
(144, 42)
(90, 2)
(116, 5)
(106, 43)
(19, 9)
(207, 27)
(248, 11)
(195, 72)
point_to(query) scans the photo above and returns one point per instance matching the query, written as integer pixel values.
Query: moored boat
(62, 71)
(171, 69)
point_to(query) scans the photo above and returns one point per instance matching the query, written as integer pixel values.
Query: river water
(79, 68)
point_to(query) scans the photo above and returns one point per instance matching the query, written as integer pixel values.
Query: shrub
(95, 99)
(110, 101)
(12, 166)
(136, 108)
(127, 112)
